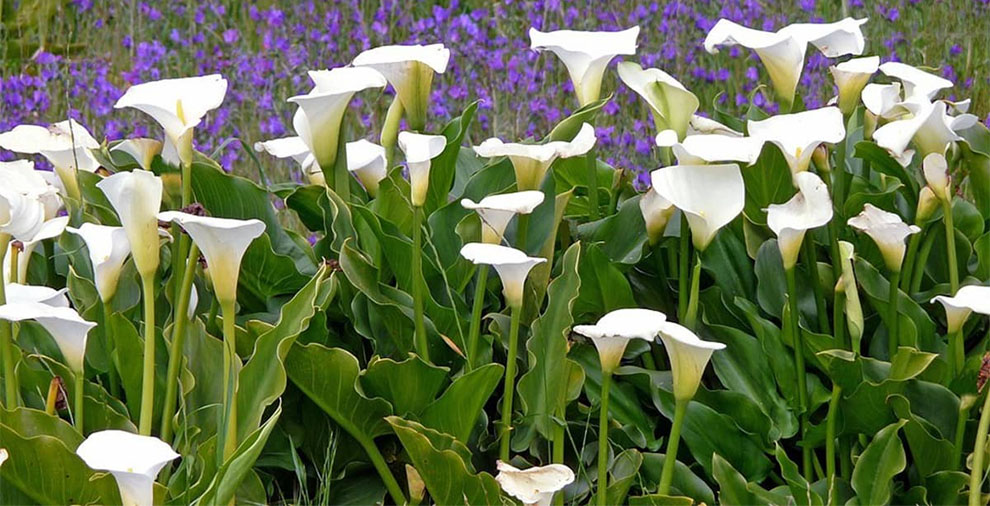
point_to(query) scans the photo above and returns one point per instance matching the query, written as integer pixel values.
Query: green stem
(950, 244)
(110, 346)
(592, 181)
(422, 345)
(662, 276)
(670, 458)
(833, 414)
(603, 441)
(907, 269)
(839, 322)
(228, 427)
(959, 358)
(15, 253)
(394, 490)
(793, 315)
(390, 130)
(811, 263)
(510, 384)
(148, 374)
(691, 316)
(478, 306)
(6, 338)
(979, 448)
(959, 436)
(922, 262)
(341, 176)
(893, 333)
(682, 268)
(77, 414)
(180, 318)
(558, 446)
(522, 232)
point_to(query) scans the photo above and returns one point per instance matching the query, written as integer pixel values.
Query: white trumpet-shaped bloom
(531, 161)
(65, 144)
(809, 208)
(223, 242)
(137, 196)
(671, 104)
(797, 135)
(496, 211)
(936, 170)
(178, 105)
(133, 460)
(711, 196)
(613, 332)
(883, 100)
(917, 82)
(17, 293)
(67, 328)
(142, 150)
(703, 125)
(689, 355)
(701, 149)
(420, 150)
(321, 110)
(968, 299)
(512, 265)
(656, 213)
(291, 147)
(534, 486)
(585, 54)
(928, 125)
(851, 77)
(366, 160)
(410, 70)
(887, 230)
(27, 200)
(108, 249)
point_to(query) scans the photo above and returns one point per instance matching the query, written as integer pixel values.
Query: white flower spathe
(689, 355)
(108, 249)
(887, 230)
(585, 54)
(142, 150)
(917, 82)
(133, 460)
(410, 70)
(531, 161)
(797, 135)
(671, 104)
(65, 144)
(809, 208)
(420, 150)
(851, 77)
(496, 211)
(534, 486)
(512, 265)
(613, 332)
(656, 213)
(137, 196)
(711, 196)
(701, 149)
(968, 299)
(67, 328)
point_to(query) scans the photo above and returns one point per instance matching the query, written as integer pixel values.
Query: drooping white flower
(137, 196)
(133, 460)
(531, 161)
(223, 242)
(809, 208)
(67, 328)
(671, 104)
(711, 196)
(511, 264)
(850, 77)
(797, 135)
(613, 332)
(410, 70)
(701, 149)
(887, 230)
(420, 150)
(534, 486)
(917, 82)
(178, 105)
(496, 211)
(688, 355)
(656, 213)
(968, 299)
(585, 54)
(17, 293)
(936, 170)
(65, 144)
(142, 150)
(108, 249)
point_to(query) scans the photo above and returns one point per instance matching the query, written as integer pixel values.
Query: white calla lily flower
(366, 160)
(133, 460)
(142, 150)
(883, 100)
(410, 70)
(917, 82)
(887, 230)
(847, 286)
(930, 128)
(936, 170)
(67, 328)
(534, 486)
(701, 149)
(797, 135)
(689, 355)
(809, 208)
(21, 216)
(968, 299)
(321, 110)
(711, 196)
(108, 249)
(420, 150)
(17, 293)
(496, 211)
(292, 147)
(531, 161)
(612, 333)
(512, 265)
(65, 144)
(178, 105)
(671, 104)
(137, 196)
(851, 77)
(585, 54)
(49, 230)
(657, 212)
(703, 125)
(223, 242)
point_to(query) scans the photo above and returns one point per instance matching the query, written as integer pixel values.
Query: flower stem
(422, 346)
(6, 338)
(793, 316)
(907, 270)
(919, 265)
(893, 334)
(377, 460)
(670, 458)
(950, 244)
(811, 263)
(510, 384)
(979, 448)
(959, 358)
(479, 303)
(341, 176)
(830, 420)
(80, 397)
(691, 316)
(390, 130)
(15, 253)
(228, 427)
(603, 441)
(839, 323)
(959, 436)
(592, 164)
(110, 346)
(522, 232)
(558, 445)
(148, 374)
(682, 268)
(178, 337)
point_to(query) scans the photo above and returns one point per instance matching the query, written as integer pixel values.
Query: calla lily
(108, 249)
(782, 52)
(137, 196)
(534, 486)
(531, 161)
(410, 70)
(497, 210)
(936, 170)
(26, 188)
(21, 215)
(703, 125)
(223, 242)
(293, 147)
(366, 160)
(614, 331)
(797, 135)
(420, 150)
(887, 230)
(133, 460)
(711, 196)
(65, 144)
(48, 230)
(883, 100)
(847, 286)
(585, 54)
(178, 105)
(917, 82)
(143, 151)
(929, 127)
(809, 208)
(671, 104)
(511, 264)
(66, 327)
(27, 294)
(321, 111)
(968, 299)
(709, 148)
(851, 76)
(656, 213)
(688, 355)
(928, 202)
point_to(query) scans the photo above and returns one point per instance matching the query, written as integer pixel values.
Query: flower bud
(927, 204)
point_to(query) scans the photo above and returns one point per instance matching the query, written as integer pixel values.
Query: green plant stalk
(558, 445)
(228, 427)
(377, 460)
(79, 401)
(422, 346)
(833, 414)
(959, 357)
(950, 245)
(182, 241)
(662, 276)
(390, 130)
(15, 253)
(811, 263)
(592, 181)
(960, 434)
(341, 176)
(148, 372)
(793, 315)
(670, 458)
(178, 338)
(921, 262)
(682, 268)
(6, 338)
(602, 492)
(979, 448)
(111, 347)
(907, 270)
(510, 384)
(522, 232)
(893, 334)
(691, 316)
(839, 322)
(478, 306)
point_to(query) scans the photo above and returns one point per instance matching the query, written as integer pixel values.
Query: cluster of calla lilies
(699, 190)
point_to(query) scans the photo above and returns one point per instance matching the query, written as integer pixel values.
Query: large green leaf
(624, 469)
(884, 458)
(239, 465)
(569, 126)
(767, 182)
(603, 286)
(976, 154)
(685, 481)
(622, 234)
(735, 490)
(409, 385)
(443, 167)
(800, 488)
(457, 410)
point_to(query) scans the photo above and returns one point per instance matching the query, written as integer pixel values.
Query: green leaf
(734, 489)
(569, 127)
(929, 450)
(443, 167)
(800, 488)
(624, 469)
(659, 500)
(685, 481)
(457, 410)
(767, 182)
(240, 464)
(883, 458)
(976, 156)
(881, 161)
(409, 386)
(603, 286)
(622, 234)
